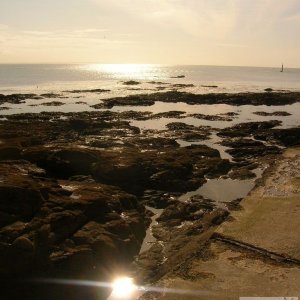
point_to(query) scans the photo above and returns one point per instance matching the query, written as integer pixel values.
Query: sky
(197, 32)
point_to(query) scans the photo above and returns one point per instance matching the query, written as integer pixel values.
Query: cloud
(3, 26)
(200, 18)
(57, 45)
(227, 45)
(178, 31)
(30, 38)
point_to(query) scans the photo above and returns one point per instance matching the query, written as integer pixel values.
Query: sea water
(55, 77)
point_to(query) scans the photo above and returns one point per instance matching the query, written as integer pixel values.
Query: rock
(182, 85)
(169, 114)
(179, 126)
(157, 82)
(12, 231)
(77, 228)
(79, 124)
(51, 95)
(248, 149)
(159, 199)
(275, 113)
(89, 91)
(211, 117)
(19, 195)
(20, 201)
(9, 152)
(151, 143)
(132, 100)
(64, 162)
(247, 129)
(274, 98)
(52, 103)
(64, 224)
(286, 137)
(241, 174)
(268, 90)
(178, 76)
(131, 82)
(23, 244)
(170, 170)
(82, 178)
(6, 218)
(15, 98)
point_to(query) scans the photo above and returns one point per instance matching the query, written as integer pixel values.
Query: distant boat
(281, 68)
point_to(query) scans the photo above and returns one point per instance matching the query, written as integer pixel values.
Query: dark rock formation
(264, 131)
(15, 98)
(131, 82)
(275, 113)
(178, 76)
(69, 210)
(248, 129)
(211, 117)
(182, 85)
(88, 91)
(247, 149)
(64, 229)
(275, 98)
(287, 137)
(52, 103)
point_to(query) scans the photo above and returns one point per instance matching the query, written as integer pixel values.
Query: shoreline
(258, 242)
(75, 185)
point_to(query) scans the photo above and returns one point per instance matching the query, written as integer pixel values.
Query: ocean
(57, 77)
(61, 79)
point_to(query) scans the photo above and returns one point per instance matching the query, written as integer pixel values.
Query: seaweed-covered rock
(64, 228)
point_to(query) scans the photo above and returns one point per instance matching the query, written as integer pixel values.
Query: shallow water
(60, 79)
(228, 79)
(245, 113)
(149, 238)
(222, 190)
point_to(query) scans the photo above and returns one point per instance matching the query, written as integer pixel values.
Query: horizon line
(150, 64)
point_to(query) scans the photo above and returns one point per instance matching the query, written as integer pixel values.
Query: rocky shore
(74, 189)
(254, 253)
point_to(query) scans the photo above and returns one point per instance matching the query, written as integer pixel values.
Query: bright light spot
(123, 288)
(122, 70)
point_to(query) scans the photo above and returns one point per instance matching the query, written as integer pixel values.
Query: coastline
(75, 184)
(258, 243)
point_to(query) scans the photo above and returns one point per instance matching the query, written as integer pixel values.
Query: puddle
(149, 238)
(224, 189)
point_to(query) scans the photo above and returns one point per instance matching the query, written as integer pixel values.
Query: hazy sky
(207, 32)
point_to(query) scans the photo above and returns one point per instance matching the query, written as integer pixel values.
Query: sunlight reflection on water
(141, 71)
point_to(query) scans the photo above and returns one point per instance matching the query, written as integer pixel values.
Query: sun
(123, 288)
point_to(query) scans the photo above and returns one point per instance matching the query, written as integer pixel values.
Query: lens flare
(123, 288)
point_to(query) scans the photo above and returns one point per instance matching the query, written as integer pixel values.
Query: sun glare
(123, 70)
(123, 288)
